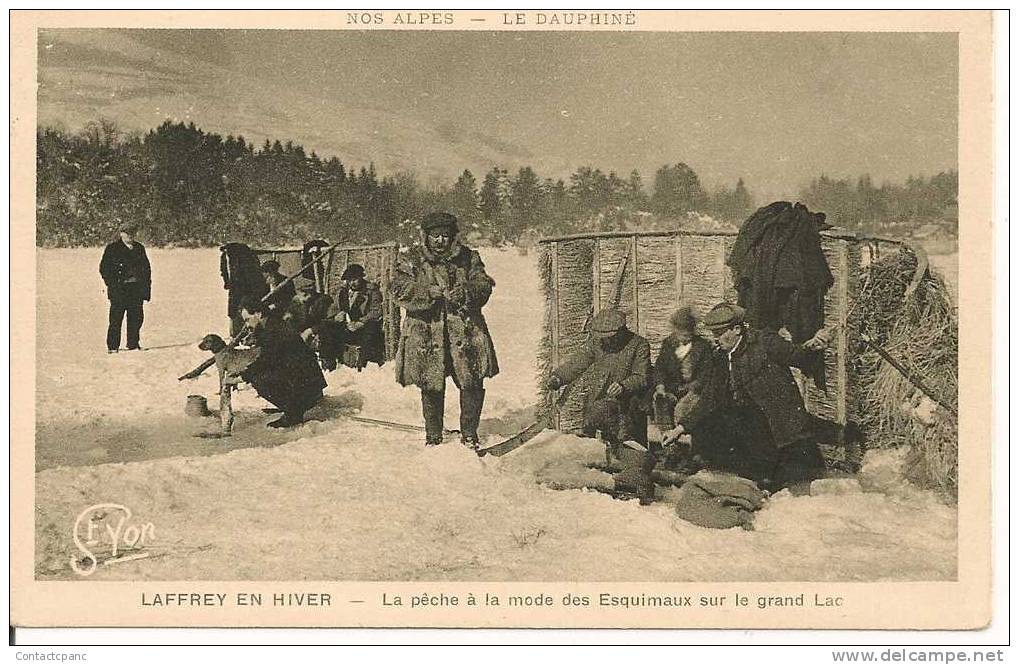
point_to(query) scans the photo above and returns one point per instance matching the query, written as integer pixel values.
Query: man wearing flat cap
(747, 413)
(127, 274)
(614, 369)
(442, 285)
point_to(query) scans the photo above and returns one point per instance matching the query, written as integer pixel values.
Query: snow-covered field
(337, 499)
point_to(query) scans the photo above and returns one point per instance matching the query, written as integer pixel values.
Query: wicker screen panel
(378, 262)
(656, 288)
(289, 260)
(615, 262)
(570, 271)
(665, 270)
(703, 271)
(836, 401)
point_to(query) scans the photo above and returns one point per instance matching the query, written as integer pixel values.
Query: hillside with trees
(185, 186)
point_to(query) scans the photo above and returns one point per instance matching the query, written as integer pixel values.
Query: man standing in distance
(125, 270)
(443, 285)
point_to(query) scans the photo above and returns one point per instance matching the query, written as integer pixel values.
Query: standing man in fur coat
(442, 285)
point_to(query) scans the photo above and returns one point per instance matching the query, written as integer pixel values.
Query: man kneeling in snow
(615, 368)
(747, 414)
(286, 371)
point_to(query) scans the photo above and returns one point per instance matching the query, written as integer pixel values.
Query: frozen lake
(335, 499)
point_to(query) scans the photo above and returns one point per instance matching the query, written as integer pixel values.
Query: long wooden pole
(912, 377)
(234, 341)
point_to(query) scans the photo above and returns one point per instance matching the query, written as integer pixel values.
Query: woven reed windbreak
(378, 261)
(581, 275)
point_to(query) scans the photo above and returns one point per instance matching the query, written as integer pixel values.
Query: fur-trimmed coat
(442, 337)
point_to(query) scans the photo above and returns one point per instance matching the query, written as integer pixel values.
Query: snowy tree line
(891, 209)
(185, 186)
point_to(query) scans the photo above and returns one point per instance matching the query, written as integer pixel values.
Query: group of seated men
(733, 399)
(291, 331)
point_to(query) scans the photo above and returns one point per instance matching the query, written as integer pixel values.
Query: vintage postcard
(531, 318)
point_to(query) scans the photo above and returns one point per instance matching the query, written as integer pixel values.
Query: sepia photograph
(572, 303)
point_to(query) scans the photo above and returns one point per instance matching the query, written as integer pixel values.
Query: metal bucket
(197, 406)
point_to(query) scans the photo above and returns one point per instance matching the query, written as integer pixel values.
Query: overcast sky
(773, 108)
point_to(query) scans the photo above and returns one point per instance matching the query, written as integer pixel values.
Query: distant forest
(187, 187)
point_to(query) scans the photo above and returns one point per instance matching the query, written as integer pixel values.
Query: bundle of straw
(920, 330)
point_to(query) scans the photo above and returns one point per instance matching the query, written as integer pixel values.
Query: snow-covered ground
(338, 499)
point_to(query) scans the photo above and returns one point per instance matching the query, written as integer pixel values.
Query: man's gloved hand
(436, 292)
(355, 325)
(660, 389)
(615, 389)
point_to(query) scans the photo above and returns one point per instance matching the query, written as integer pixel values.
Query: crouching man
(443, 285)
(285, 372)
(615, 369)
(747, 415)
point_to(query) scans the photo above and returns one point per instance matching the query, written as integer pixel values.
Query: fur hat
(683, 318)
(435, 221)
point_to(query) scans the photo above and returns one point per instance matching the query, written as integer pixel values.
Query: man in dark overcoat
(127, 274)
(442, 285)
(747, 414)
(614, 368)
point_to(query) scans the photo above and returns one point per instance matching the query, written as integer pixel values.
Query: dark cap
(270, 266)
(353, 271)
(724, 315)
(435, 221)
(607, 323)
(127, 227)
